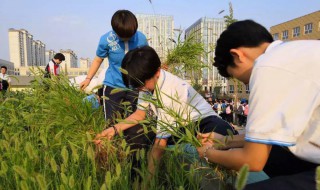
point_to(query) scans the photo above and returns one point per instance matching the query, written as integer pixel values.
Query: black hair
(4, 67)
(246, 33)
(124, 23)
(59, 56)
(141, 64)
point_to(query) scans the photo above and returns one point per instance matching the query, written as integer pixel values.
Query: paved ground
(241, 130)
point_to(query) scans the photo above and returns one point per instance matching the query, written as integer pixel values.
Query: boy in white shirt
(282, 134)
(173, 101)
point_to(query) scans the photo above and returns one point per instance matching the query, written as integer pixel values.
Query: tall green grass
(46, 135)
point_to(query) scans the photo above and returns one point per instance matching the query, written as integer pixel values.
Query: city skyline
(78, 25)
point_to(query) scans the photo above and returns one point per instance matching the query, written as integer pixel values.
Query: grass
(46, 135)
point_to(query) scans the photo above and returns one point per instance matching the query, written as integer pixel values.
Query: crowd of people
(234, 113)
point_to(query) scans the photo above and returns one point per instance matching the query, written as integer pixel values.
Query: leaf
(123, 71)
(41, 181)
(53, 164)
(88, 183)
(24, 185)
(64, 178)
(242, 177)
(71, 181)
(116, 90)
(318, 177)
(21, 171)
(118, 170)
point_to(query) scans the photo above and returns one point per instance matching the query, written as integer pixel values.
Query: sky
(78, 24)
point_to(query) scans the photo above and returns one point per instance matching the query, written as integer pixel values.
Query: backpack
(240, 109)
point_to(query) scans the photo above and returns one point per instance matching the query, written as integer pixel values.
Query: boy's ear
(238, 55)
(158, 72)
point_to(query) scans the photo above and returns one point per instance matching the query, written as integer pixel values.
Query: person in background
(53, 67)
(5, 80)
(282, 134)
(114, 45)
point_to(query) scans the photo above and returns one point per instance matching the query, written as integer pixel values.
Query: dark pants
(114, 105)
(286, 171)
(120, 105)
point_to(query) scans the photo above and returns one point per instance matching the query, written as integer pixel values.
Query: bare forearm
(236, 141)
(94, 67)
(131, 121)
(253, 154)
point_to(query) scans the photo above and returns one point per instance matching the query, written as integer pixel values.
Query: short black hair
(124, 23)
(59, 56)
(246, 33)
(4, 67)
(141, 64)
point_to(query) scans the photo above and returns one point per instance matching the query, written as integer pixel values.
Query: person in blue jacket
(114, 45)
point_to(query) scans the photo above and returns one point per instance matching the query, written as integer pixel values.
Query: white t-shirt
(174, 101)
(285, 98)
(5, 77)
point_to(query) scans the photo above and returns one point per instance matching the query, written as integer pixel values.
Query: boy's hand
(208, 139)
(84, 83)
(107, 133)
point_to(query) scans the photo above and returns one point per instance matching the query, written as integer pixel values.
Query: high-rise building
(24, 51)
(71, 59)
(49, 55)
(159, 30)
(302, 28)
(207, 31)
(84, 63)
(39, 53)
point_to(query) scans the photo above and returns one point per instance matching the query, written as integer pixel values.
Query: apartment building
(302, 28)
(207, 31)
(159, 30)
(24, 51)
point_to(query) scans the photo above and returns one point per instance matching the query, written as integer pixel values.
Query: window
(296, 32)
(308, 28)
(285, 35)
(231, 89)
(276, 36)
(247, 89)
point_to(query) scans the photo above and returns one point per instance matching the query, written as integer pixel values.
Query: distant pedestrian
(5, 80)
(53, 67)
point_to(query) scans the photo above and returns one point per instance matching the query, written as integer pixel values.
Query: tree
(185, 59)
(229, 18)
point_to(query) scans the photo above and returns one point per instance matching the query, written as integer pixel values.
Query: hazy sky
(78, 24)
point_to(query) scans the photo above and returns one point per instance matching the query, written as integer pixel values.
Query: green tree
(185, 59)
(229, 19)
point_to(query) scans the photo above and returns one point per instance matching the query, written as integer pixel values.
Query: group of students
(283, 141)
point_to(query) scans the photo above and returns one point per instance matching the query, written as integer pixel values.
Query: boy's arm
(92, 71)
(130, 121)
(235, 141)
(253, 154)
(155, 154)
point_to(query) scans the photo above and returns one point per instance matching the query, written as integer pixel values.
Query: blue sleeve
(142, 40)
(103, 50)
